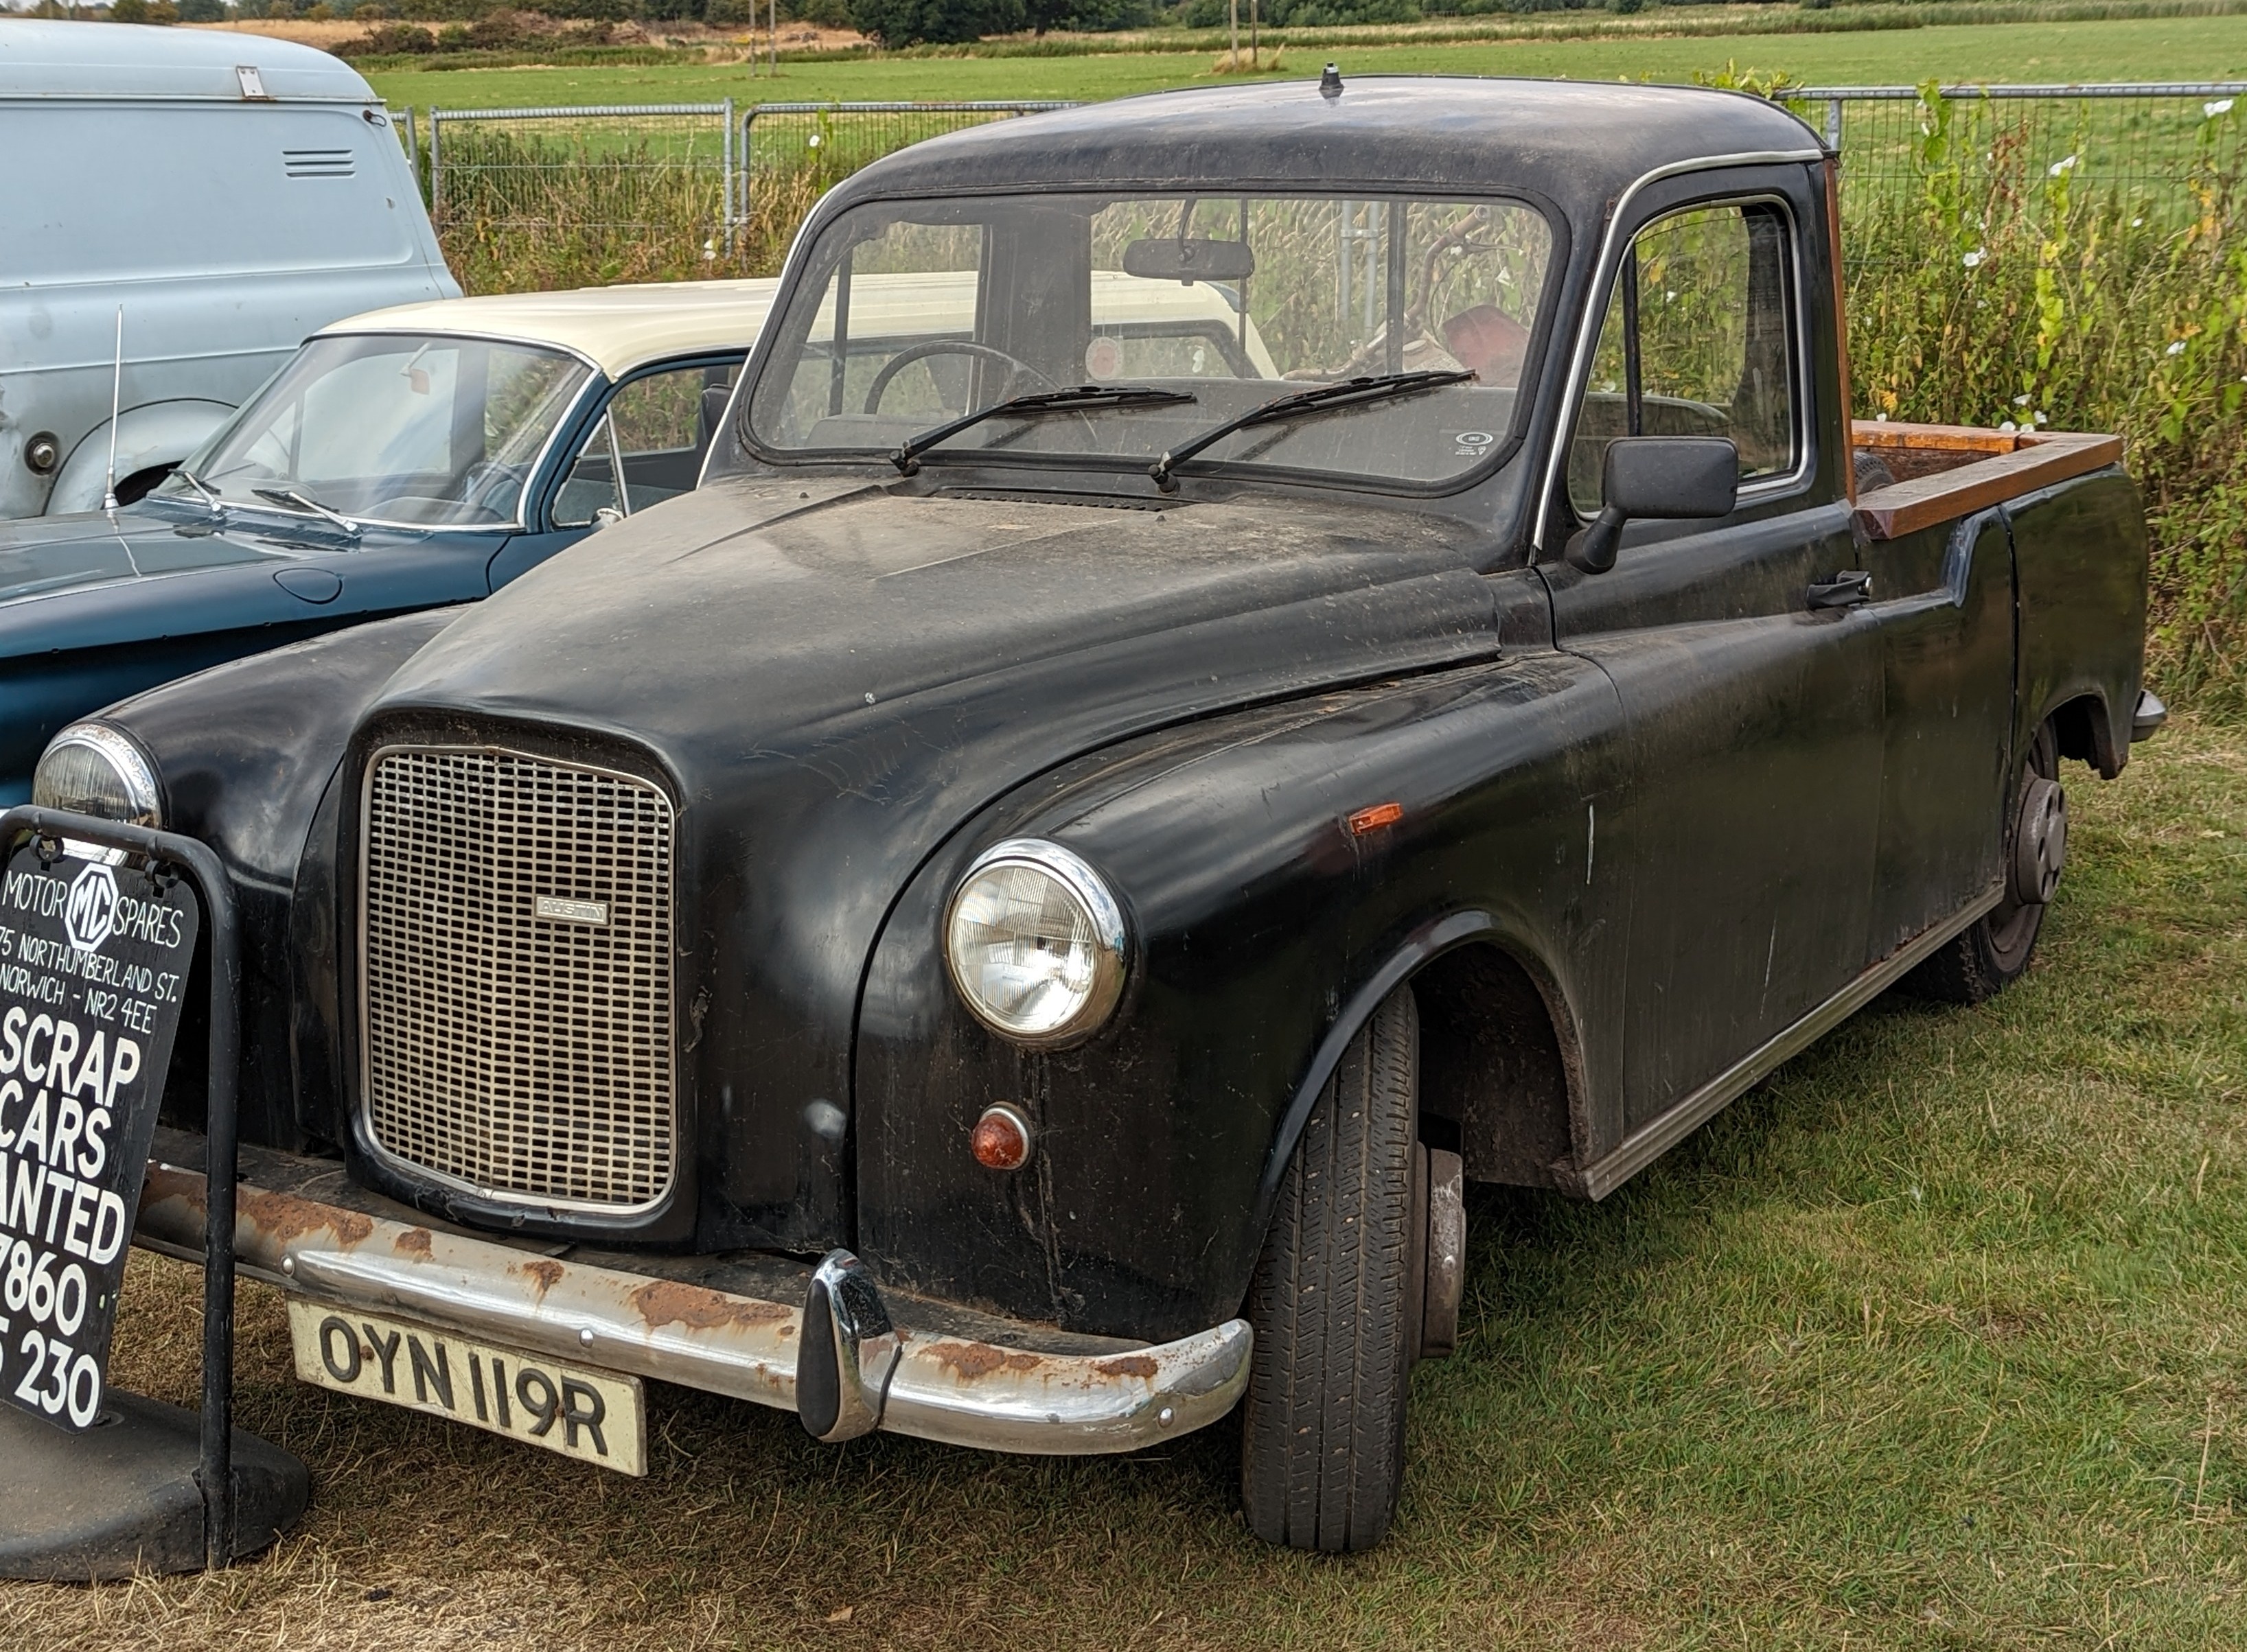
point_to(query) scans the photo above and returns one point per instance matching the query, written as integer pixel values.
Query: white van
(232, 193)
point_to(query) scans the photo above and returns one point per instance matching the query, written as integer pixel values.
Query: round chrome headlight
(90, 768)
(1036, 944)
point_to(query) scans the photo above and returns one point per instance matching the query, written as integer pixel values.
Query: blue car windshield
(421, 430)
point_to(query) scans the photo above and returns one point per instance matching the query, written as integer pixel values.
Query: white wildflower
(2176, 349)
(2221, 106)
(2020, 401)
(2009, 425)
(1973, 260)
(2042, 418)
(812, 142)
(2060, 168)
(2136, 222)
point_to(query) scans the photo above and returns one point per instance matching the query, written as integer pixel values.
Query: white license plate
(594, 1417)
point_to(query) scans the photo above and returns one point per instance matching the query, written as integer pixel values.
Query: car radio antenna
(116, 394)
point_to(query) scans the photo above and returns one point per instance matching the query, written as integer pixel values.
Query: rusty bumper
(861, 1373)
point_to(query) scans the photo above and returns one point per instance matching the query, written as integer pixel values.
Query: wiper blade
(907, 457)
(210, 494)
(1349, 392)
(305, 501)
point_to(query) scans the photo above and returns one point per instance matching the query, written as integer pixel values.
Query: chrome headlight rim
(1112, 934)
(123, 755)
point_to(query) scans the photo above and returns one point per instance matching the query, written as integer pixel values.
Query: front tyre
(1322, 1434)
(1993, 952)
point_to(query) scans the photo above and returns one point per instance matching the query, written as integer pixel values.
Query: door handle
(1845, 590)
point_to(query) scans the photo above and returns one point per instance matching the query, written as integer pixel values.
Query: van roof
(617, 329)
(40, 58)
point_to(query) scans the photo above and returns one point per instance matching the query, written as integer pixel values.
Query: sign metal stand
(126, 1496)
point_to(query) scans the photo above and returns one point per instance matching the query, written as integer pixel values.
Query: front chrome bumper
(863, 1371)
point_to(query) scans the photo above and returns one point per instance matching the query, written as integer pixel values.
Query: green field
(2133, 49)
(1934, 1340)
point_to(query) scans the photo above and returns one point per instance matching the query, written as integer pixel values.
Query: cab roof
(1576, 143)
(619, 329)
(41, 59)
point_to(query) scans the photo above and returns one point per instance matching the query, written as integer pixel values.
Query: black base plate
(121, 1498)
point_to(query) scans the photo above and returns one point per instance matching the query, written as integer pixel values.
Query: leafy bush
(1303, 14)
(2004, 290)
(387, 39)
(910, 22)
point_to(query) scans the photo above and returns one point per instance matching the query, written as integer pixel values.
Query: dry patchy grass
(1930, 1342)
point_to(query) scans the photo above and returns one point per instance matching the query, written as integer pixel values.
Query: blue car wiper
(304, 501)
(211, 497)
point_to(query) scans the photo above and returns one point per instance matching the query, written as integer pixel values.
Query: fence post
(1834, 125)
(749, 119)
(725, 211)
(436, 174)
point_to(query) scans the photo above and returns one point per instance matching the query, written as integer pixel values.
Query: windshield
(916, 314)
(425, 430)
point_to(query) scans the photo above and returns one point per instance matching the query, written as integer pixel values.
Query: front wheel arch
(1430, 946)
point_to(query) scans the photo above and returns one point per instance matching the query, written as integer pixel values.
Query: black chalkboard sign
(93, 966)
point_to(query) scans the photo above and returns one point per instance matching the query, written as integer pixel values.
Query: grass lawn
(1933, 1340)
(2133, 48)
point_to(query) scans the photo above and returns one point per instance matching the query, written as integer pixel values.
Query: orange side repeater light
(1373, 819)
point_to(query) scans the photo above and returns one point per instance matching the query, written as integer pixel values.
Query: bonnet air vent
(317, 163)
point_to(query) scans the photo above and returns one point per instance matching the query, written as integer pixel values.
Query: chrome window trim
(362, 1111)
(1579, 366)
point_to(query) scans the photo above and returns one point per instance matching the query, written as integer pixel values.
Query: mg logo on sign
(93, 910)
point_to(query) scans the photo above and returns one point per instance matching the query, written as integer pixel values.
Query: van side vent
(317, 163)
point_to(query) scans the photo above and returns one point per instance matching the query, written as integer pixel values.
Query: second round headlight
(1036, 944)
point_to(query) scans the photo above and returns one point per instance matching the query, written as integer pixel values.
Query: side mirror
(1657, 476)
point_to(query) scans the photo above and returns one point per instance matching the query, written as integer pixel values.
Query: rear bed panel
(2080, 558)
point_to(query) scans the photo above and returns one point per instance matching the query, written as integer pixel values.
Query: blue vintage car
(406, 459)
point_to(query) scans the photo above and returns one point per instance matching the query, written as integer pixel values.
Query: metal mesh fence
(555, 197)
(829, 141)
(2157, 155)
(546, 197)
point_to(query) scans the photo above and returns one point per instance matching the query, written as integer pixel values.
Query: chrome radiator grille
(515, 979)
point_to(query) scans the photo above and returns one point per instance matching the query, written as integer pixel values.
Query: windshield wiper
(1349, 392)
(907, 457)
(210, 494)
(305, 501)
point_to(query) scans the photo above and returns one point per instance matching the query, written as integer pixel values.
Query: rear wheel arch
(2086, 733)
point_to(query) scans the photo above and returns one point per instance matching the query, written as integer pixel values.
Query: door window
(1698, 341)
(648, 445)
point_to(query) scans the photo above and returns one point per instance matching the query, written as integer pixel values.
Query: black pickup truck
(1246, 655)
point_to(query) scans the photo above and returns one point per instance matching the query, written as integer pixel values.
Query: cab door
(1748, 814)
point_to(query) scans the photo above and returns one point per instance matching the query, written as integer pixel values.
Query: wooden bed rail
(2007, 463)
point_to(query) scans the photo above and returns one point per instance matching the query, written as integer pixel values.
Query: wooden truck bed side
(1946, 472)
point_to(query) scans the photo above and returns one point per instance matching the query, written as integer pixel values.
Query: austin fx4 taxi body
(1007, 912)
